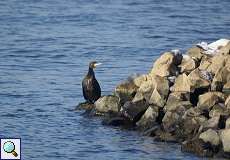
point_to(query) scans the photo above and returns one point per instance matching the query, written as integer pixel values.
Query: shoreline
(185, 98)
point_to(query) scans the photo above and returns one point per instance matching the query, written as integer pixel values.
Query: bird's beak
(97, 64)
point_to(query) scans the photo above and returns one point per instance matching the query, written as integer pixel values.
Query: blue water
(45, 47)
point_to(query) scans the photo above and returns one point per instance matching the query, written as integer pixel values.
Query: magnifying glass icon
(9, 147)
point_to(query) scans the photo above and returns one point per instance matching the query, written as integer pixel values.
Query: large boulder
(148, 120)
(172, 119)
(134, 110)
(195, 53)
(209, 99)
(227, 124)
(166, 65)
(182, 84)
(206, 62)
(126, 91)
(177, 100)
(199, 79)
(225, 50)
(107, 104)
(225, 138)
(217, 62)
(84, 106)
(145, 90)
(160, 92)
(227, 103)
(210, 136)
(221, 77)
(218, 109)
(139, 80)
(196, 80)
(226, 88)
(198, 147)
(154, 90)
(187, 65)
(213, 122)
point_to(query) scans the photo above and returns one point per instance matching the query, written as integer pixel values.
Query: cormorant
(90, 86)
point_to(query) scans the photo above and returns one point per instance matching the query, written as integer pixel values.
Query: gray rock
(134, 110)
(165, 65)
(197, 80)
(226, 88)
(218, 109)
(148, 120)
(195, 53)
(225, 138)
(171, 120)
(107, 104)
(84, 106)
(210, 136)
(126, 91)
(187, 65)
(209, 99)
(221, 77)
(227, 103)
(212, 122)
(177, 105)
(154, 90)
(225, 50)
(227, 124)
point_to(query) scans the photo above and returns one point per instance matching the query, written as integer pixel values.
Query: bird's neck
(90, 72)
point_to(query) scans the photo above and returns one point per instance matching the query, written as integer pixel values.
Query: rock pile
(184, 99)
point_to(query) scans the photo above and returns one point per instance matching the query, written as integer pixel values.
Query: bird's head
(94, 64)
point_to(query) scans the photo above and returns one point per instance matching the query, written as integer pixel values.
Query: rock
(181, 96)
(145, 90)
(212, 122)
(195, 53)
(192, 112)
(165, 65)
(160, 91)
(217, 62)
(225, 138)
(227, 103)
(172, 119)
(221, 77)
(176, 104)
(154, 90)
(210, 136)
(148, 120)
(84, 106)
(134, 110)
(139, 80)
(126, 91)
(218, 109)
(117, 121)
(187, 65)
(182, 84)
(164, 136)
(225, 50)
(189, 126)
(198, 147)
(205, 63)
(208, 100)
(107, 104)
(227, 124)
(226, 88)
(157, 99)
(194, 81)
(198, 80)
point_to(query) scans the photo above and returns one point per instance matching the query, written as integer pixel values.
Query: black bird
(90, 86)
